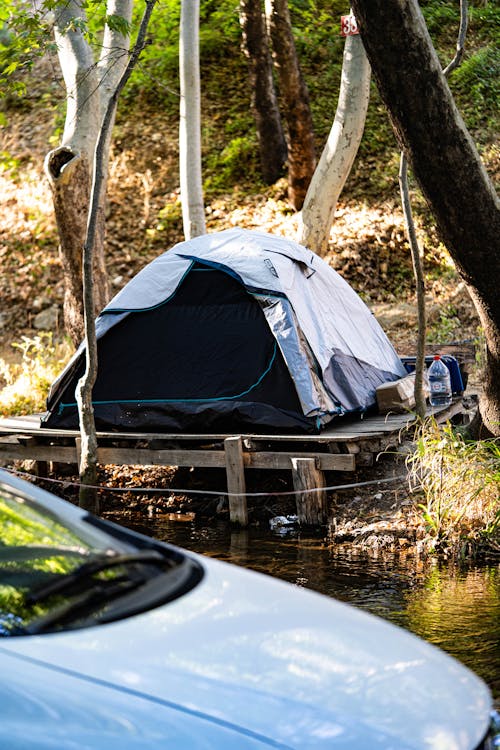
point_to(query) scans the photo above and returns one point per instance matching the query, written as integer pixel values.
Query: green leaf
(118, 24)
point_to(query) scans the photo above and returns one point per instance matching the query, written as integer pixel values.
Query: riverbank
(374, 507)
(367, 509)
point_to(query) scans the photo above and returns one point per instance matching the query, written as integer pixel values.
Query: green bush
(459, 483)
(477, 86)
(237, 163)
(27, 383)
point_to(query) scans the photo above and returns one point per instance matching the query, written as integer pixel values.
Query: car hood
(244, 661)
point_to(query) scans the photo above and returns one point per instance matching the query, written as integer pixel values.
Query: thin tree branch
(88, 452)
(420, 403)
(462, 33)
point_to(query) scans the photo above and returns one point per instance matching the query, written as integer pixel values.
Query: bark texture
(264, 100)
(69, 176)
(444, 160)
(340, 150)
(295, 98)
(89, 85)
(193, 210)
(418, 272)
(88, 454)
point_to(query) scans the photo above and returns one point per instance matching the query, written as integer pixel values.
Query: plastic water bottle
(439, 383)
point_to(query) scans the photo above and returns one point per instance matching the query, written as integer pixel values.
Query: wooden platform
(345, 445)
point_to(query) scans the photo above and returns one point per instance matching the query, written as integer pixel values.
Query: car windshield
(59, 575)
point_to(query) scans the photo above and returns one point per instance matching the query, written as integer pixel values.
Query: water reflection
(458, 610)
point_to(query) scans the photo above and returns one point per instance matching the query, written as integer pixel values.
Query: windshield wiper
(77, 607)
(117, 597)
(96, 565)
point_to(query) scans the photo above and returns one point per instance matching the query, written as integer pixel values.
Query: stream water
(457, 609)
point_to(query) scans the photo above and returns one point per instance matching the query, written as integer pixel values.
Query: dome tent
(229, 331)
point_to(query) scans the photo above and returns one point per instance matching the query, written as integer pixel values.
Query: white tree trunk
(193, 211)
(89, 84)
(340, 150)
(81, 81)
(111, 66)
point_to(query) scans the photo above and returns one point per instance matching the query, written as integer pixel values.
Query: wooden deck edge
(198, 458)
(344, 431)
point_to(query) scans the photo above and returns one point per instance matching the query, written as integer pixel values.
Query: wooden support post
(311, 506)
(42, 469)
(78, 446)
(37, 468)
(235, 472)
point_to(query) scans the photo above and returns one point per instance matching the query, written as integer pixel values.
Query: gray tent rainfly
(231, 330)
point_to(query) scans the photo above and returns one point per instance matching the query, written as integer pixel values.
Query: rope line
(218, 493)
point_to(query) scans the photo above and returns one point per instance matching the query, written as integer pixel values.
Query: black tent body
(205, 360)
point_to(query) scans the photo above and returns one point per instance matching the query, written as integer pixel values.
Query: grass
(27, 381)
(458, 482)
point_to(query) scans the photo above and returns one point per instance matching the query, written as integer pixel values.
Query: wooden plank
(235, 471)
(30, 421)
(342, 438)
(376, 424)
(394, 425)
(78, 445)
(370, 432)
(66, 454)
(352, 448)
(281, 460)
(27, 440)
(345, 428)
(147, 457)
(19, 438)
(12, 439)
(347, 435)
(443, 414)
(311, 506)
(10, 429)
(31, 425)
(10, 449)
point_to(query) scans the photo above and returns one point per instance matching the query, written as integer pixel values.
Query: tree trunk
(340, 150)
(264, 101)
(69, 167)
(293, 90)
(69, 177)
(88, 454)
(489, 315)
(445, 162)
(193, 211)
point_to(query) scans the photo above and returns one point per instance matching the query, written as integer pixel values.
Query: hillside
(367, 246)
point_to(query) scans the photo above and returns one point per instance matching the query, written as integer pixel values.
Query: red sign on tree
(348, 25)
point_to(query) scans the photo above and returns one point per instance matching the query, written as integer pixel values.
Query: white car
(115, 641)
